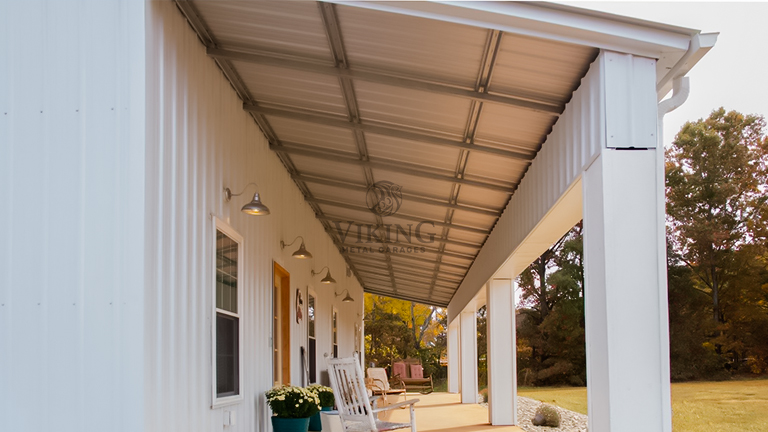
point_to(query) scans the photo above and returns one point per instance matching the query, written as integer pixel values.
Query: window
(312, 341)
(335, 332)
(227, 323)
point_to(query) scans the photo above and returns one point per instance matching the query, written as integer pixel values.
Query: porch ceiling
(350, 96)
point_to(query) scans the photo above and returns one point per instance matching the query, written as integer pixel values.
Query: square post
(468, 340)
(502, 352)
(624, 255)
(454, 360)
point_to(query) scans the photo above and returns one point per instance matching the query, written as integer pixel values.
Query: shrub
(325, 394)
(292, 402)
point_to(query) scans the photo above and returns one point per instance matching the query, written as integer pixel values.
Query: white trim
(216, 402)
(554, 22)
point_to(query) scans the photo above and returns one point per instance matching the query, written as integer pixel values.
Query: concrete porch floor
(445, 412)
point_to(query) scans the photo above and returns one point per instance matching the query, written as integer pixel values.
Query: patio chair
(380, 383)
(355, 411)
(411, 373)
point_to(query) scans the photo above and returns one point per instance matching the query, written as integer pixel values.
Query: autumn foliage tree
(398, 328)
(717, 179)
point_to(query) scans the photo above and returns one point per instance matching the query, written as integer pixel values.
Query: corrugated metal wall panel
(199, 140)
(71, 187)
(571, 146)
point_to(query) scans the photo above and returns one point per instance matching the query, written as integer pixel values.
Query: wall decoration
(299, 306)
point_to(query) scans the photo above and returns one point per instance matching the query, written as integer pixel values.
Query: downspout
(680, 91)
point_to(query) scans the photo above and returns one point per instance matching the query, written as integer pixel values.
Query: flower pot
(282, 424)
(315, 424)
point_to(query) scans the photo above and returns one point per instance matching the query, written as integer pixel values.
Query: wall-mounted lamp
(346, 299)
(301, 252)
(328, 279)
(255, 207)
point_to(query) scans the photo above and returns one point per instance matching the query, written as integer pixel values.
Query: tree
(551, 321)
(716, 180)
(398, 328)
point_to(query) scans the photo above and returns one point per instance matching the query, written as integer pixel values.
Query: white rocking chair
(355, 411)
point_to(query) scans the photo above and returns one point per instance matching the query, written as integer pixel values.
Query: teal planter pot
(281, 424)
(315, 424)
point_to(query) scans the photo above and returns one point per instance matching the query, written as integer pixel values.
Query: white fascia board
(700, 46)
(551, 21)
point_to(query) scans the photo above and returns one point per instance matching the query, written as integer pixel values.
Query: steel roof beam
(437, 240)
(413, 271)
(426, 280)
(384, 130)
(524, 100)
(361, 257)
(401, 167)
(343, 184)
(428, 302)
(483, 231)
(429, 249)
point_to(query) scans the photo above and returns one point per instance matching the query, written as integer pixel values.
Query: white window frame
(312, 293)
(216, 402)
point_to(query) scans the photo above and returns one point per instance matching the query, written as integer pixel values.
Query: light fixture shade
(346, 299)
(302, 252)
(328, 279)
(255, 207)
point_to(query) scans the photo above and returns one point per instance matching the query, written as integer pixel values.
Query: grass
(727, 406)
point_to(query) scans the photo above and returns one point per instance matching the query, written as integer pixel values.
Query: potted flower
(325, 394)
(291, 408)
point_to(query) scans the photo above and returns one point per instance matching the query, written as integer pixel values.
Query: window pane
(311, 316)
(227, 367)
(226, 272)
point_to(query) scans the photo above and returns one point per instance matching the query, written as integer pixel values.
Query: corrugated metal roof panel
(489, 166)
(385, 147)
(312, 166)
(411, 45)
(283, 27)
(539, 67)
(334, 193)
(414, 184)
(476, 196)
(294, 131)
(498, 123)
(466, 218)
(411, 108)
(422, 210)
(272, 85)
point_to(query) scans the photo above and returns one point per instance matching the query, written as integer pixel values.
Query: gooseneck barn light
(255, 207)
(301, 252)
(346, 299)
(328, 279)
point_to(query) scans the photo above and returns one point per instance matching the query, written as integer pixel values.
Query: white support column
(468, 341)
(454, 359)
(502, 352)
(625, 290)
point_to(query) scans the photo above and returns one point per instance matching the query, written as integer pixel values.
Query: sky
(734, 74)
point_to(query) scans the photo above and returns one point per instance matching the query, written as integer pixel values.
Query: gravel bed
(569, 421)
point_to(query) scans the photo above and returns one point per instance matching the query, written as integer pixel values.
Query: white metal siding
(573, 143)
(72, 214)
(199, 140)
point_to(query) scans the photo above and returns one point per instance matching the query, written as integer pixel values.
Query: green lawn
(728, 406)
